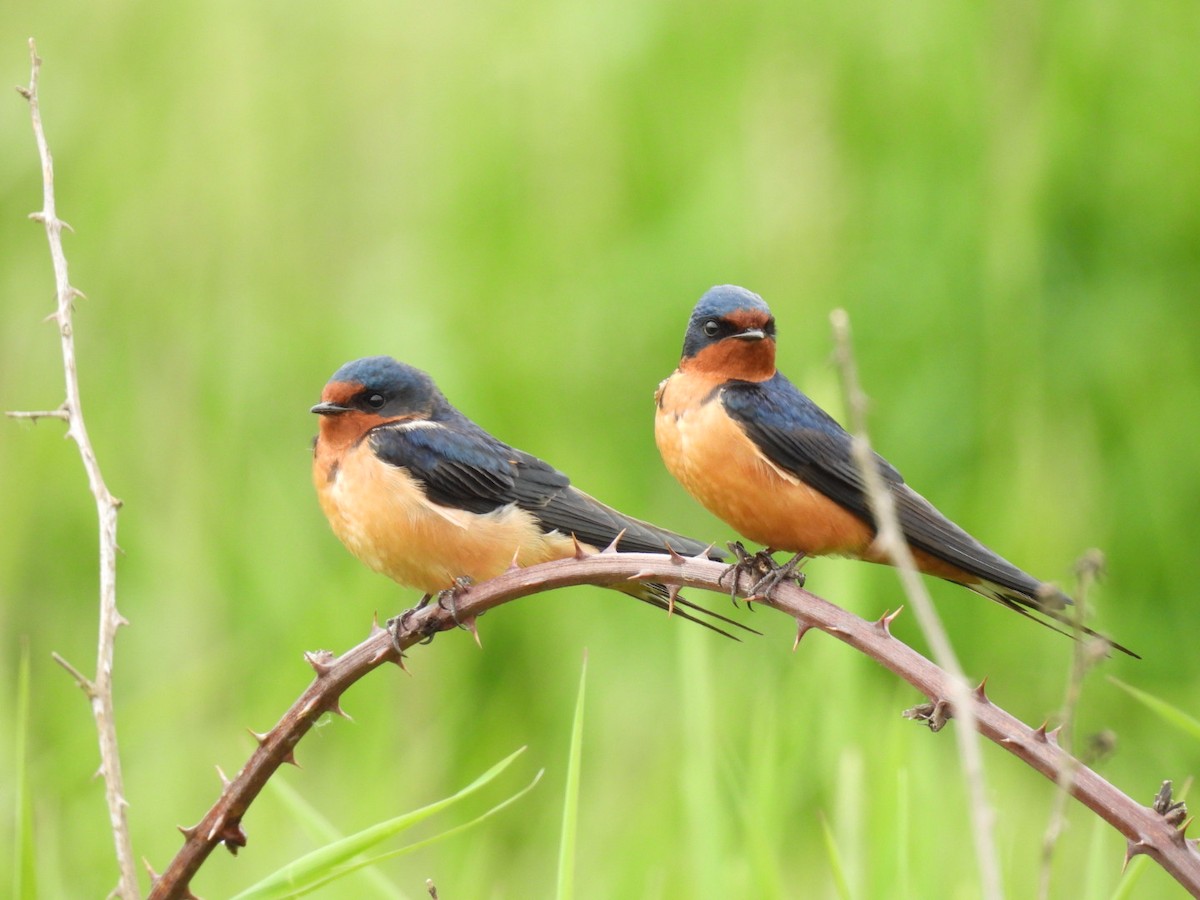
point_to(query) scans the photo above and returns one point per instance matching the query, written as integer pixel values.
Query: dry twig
(1087, 653)
(890, 539)
(1148, 831)
(98, 689)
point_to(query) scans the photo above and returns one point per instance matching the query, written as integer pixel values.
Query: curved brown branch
(1147, 831)
(98, 690)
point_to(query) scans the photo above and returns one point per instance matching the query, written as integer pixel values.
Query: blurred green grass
(526, 201)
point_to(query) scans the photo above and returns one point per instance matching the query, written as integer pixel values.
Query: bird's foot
(397, 624)
(446, 599)
(761, 568)
(779, 574)
(751, 564)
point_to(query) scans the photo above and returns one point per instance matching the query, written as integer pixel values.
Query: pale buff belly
(718, 464)
(383, 518)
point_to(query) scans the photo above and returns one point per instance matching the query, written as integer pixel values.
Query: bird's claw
(398, 624)
(762, 568)
(778, 575)
(446, 598)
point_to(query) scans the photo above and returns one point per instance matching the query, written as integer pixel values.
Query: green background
(526, 200)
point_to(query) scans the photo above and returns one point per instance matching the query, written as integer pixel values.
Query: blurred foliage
(526, 200)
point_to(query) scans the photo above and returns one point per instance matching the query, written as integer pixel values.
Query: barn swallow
(420, 493)
(759, 454)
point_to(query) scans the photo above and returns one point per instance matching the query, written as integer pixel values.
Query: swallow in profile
(759, 454)
(420, 493)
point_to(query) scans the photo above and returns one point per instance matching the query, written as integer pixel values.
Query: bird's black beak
(750, 334)
(329, 409)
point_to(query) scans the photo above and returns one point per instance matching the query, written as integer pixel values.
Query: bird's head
(374, 390)
(731, 334)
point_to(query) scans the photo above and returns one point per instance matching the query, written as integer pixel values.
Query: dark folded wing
(801, 439)
(463, 467)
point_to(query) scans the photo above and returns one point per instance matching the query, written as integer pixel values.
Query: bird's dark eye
(375, 401)
(711, 327)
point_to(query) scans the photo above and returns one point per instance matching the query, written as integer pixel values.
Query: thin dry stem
(98, 689)
(1147, 831)
(40, 414)
(890, 539)
(1082, 660)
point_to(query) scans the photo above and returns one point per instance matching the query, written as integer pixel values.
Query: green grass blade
(904, 865)
(346, 869)
(1172, 715)
(24, 861)
(1096, 872)
(704, 811)
(301, 874)
(1129, 880)
(570, 821)
(836, 864)
(322, 830)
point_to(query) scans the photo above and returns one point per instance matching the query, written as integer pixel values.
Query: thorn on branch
(261, 738)
(981, 692)
(469, 625)
(884, 622)
(86, 684)
(612, 548)
(337, 710)
(375, 627)
(1134, 848)
(672, 595)
(393, 653)
(321, 662)
(802, 628)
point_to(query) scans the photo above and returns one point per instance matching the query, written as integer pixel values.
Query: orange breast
(383, 517)
(720, 466)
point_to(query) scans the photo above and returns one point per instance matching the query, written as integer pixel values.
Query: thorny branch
(99, 689)
(1155, 832)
